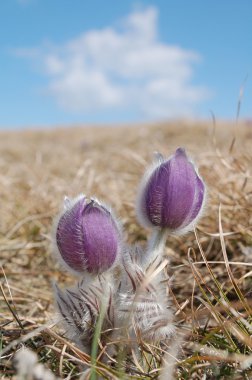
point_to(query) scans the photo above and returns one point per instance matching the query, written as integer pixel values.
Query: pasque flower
(130, 300)
(87, 236)
(172, 194)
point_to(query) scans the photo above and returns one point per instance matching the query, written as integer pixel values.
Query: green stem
(95, 342)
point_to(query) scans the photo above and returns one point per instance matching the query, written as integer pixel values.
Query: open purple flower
(87, 236)
(172, 194)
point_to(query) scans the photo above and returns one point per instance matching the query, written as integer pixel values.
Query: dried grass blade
(230, 274)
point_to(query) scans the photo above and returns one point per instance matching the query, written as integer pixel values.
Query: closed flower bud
(172, 194)
(87, 236)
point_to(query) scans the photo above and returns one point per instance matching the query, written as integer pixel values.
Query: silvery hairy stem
(156, 246)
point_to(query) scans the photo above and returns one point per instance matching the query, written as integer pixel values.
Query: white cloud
(123, 67)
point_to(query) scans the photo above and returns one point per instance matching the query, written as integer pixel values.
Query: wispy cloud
(121, 67)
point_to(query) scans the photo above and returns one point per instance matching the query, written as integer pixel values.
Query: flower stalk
(155, 247)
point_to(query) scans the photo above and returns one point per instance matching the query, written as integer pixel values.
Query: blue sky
(76, 61)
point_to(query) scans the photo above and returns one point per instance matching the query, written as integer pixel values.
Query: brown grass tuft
(211, 269)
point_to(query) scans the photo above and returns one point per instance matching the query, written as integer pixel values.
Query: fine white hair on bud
(171, 195)
(87, 236)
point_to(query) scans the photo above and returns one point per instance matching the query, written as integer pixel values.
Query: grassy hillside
(212, 282)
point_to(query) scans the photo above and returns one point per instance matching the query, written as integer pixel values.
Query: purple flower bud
(87, 236)
(172, 194)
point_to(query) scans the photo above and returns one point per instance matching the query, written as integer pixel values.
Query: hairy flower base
(133, 310)
(150, 320)
(79, 308)
(144, 304)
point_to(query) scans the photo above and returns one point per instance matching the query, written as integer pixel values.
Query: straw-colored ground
(38, 168)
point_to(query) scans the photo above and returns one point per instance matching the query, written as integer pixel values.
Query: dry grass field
(211, 269)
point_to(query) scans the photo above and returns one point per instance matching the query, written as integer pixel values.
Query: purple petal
(198, 200)
(179, 190)
(174, 193)
(100, 239)
(69, 237)
(87, 237)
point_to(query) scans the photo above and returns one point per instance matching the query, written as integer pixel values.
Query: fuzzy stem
(156, 245)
